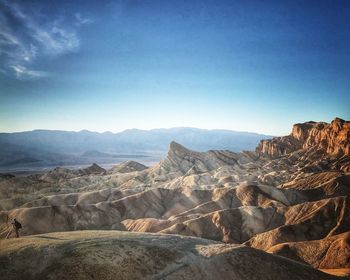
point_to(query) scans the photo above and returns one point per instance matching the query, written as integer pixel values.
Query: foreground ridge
(124, 255)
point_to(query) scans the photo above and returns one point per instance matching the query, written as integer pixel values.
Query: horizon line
(137, 129)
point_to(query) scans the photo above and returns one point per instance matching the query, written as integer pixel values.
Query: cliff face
(332, 139)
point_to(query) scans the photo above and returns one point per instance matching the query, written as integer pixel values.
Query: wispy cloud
(22, 72)
(83, 20)
(26, 37)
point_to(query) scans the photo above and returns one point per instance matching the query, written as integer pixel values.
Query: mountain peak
(128, 166)
(94, 169)
(176, 147)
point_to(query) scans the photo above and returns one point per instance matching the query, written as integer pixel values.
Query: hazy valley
(40, 150)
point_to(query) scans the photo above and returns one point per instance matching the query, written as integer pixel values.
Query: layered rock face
(332, 139)
(289, 197)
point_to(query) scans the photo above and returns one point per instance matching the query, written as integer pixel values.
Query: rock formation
(288, 198)
(332, 139)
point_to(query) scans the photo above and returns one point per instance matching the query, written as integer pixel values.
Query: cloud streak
(82, 20)
(27, 37)
(22, 72)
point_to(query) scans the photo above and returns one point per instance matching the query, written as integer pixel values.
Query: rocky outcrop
(278, 146)
(332, 139)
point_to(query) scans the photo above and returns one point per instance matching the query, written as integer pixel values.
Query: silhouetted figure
(16, 226)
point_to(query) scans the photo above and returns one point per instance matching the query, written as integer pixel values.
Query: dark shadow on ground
(49, 237)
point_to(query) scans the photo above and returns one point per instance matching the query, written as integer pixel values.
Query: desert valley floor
(279, 212)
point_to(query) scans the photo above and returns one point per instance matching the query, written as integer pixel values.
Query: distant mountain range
(59, 148)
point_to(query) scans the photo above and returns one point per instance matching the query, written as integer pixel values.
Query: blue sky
(255, 66)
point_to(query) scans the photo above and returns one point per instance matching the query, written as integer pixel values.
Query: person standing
(16, 226)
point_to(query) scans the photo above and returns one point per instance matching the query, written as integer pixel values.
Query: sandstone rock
(333, 139)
